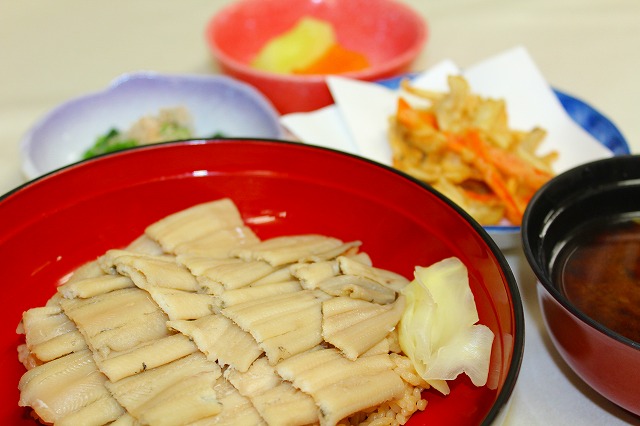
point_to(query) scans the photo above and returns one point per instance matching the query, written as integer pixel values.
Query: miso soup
(599, 272)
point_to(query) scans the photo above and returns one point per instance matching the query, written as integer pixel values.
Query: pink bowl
(389, 33)
(57, 222)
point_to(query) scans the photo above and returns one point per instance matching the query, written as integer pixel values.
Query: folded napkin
(358, 121)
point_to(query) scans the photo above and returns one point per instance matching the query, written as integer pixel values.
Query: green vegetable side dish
(109, 142)
(170, 124)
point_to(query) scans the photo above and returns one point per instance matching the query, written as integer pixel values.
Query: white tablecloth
(51, 51)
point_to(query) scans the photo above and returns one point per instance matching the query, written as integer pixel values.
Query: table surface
(53, 51)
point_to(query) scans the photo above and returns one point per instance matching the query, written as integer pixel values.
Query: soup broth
(599, 272)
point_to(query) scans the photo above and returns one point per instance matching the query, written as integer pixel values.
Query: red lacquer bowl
(598, 191)
(54, 224)
(390, 34)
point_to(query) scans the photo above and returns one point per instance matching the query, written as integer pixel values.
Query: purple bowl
(216, 104)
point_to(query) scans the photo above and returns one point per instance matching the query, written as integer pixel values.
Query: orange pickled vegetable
(336, 60)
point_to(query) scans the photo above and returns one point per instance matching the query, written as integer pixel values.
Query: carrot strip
(483, 198)
(414, 118)
(492, 177)
(513, 165)
(496, 183)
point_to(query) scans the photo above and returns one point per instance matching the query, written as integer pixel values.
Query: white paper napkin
(358, 121)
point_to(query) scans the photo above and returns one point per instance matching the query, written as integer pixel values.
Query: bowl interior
(598, 191)
(382, 30)
(56, 223)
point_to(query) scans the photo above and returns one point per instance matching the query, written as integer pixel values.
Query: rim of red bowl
(513, 369)
(386, 69)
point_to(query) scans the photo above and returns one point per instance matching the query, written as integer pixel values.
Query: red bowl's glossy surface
(54, 224)
(389, 33)
(604, 359)
(608, 365)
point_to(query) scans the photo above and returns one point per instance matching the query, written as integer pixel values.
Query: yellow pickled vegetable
(438, 329)
(297, 48)
(310, 47)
